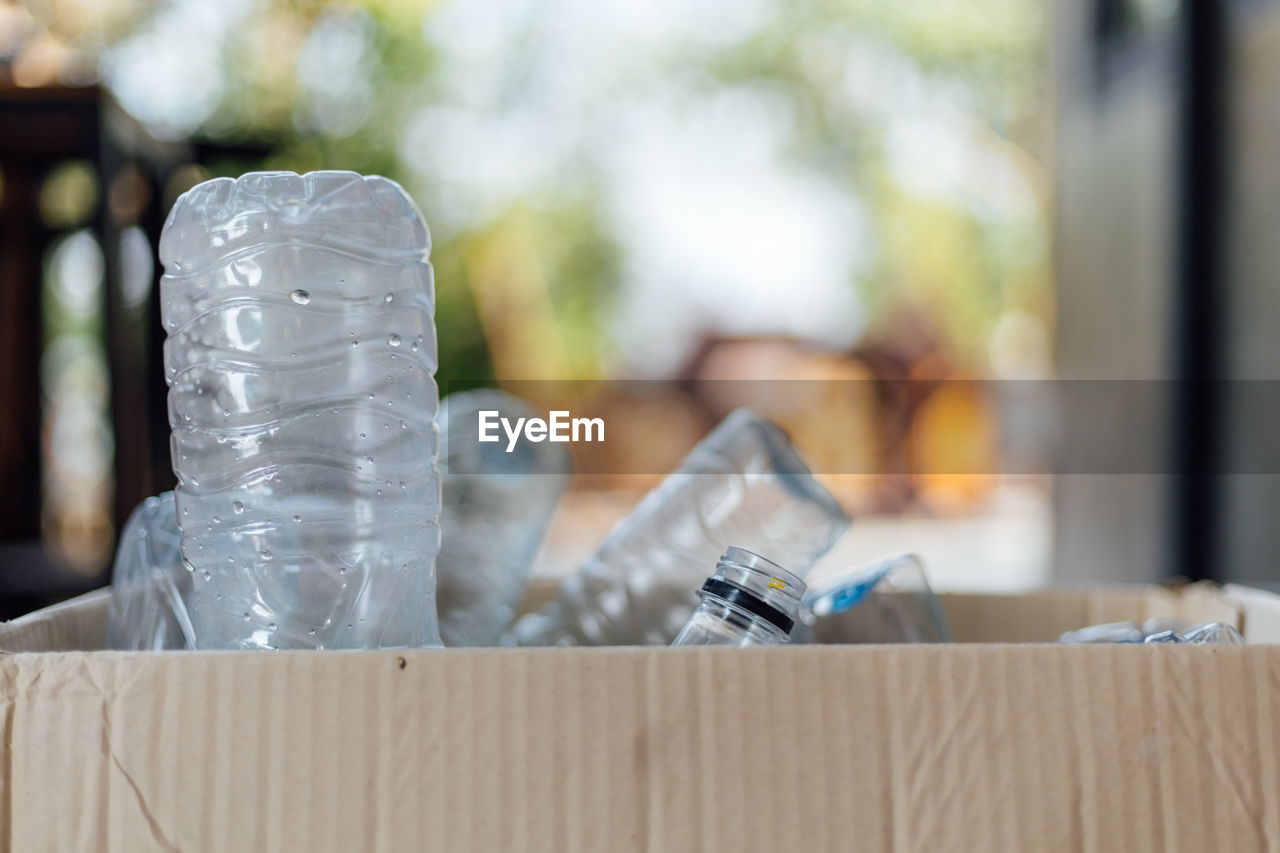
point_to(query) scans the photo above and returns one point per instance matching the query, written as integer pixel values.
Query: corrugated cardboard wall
(945, 748)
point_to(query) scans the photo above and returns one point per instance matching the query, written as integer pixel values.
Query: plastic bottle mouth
(757, 585)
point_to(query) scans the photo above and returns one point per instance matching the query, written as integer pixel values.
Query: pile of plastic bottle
(324, 503)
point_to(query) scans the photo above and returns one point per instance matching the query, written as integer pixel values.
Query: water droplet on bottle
(369, 459)
(362, 435)
(402, 484)
(311, 631)
(414, 346)
(271, 626)
(186, 511)
(385, 424)
(394, 340)
(403, 425)
(297, 518)
(226, 413)
(354, 342)
(266, 555)
(370, 395)
(335, 411)
(208, 575)
(379, 492)
(300, 296)
(246, 616)
(217, 520)
(342, 570)
(238, 507)
(388, 298)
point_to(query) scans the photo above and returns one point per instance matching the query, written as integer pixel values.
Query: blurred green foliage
(863, 80)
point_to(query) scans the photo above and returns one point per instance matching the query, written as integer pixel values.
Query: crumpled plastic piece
(150, 584)
(1163, 630)
(886, 601)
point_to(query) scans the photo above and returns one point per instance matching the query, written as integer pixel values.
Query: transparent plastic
(1161, 630)
(888, 600)
(149, 583)
(1215, 634)
(301, 355)
(744, 484)
(1110, 632)
(496, 508)
(718, 621)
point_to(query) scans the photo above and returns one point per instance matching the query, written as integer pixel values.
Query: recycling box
(1002, 741)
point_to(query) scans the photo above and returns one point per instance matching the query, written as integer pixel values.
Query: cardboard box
(991, 744)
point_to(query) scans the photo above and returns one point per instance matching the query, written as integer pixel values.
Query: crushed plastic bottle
(149, 583)
(1156, 631)
(1164, 637)
(496, 506)
(1214, 634)
(300, 357)
(745, 485)
(885, 601)
(749, 601)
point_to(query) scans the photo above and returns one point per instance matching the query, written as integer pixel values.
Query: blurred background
(948, 198)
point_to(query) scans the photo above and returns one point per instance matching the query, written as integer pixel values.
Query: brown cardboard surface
(1260, 612)
(1044, 616)
(897, 748)
(955, 748)
(79, 624)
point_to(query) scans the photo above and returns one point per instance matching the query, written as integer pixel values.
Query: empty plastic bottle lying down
(1156, 631)
(751, 601)
(744, 485)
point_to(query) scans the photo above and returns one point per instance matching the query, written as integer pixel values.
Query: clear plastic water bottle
(149, 583)
(495, 510)
(301, 356)
(749, 601)
(745, 485)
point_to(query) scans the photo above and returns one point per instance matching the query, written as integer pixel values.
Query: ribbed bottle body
(300, 356)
